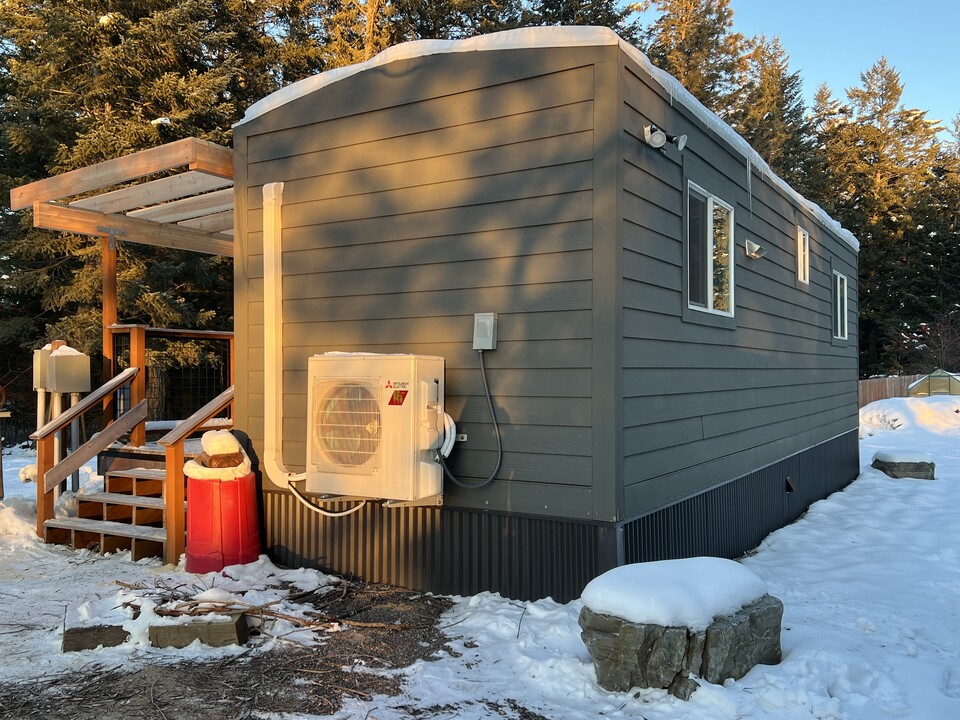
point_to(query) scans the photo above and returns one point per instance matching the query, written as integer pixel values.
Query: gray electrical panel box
(485, 331)
(40, 358)
(68, 373)
(61, 372)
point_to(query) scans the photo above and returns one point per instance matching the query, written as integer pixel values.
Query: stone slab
(215, 633)
(90, 637)
(918, 470)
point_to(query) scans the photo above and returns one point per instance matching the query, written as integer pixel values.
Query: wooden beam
(138, 388)
(108, 263)
(174, 494)
(188, 207)
(196, 154)
(183, 333)
(212, 158)
(89, 222)
(44, 498)
(153, 192)
(214, 222)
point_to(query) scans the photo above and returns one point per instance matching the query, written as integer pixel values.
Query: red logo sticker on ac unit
(398, 397)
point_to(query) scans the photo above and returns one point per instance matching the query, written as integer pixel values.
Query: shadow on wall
(401, 222)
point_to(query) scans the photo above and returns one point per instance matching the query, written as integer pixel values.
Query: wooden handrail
(49, 472)
(174, 490)
(173, 332)
(89, 401)
(99, 442)
(191, 334)
(185, 428)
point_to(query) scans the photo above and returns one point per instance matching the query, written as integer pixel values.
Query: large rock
(630, 655)
(915, 465)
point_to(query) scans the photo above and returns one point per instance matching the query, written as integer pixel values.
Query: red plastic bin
(222, 525)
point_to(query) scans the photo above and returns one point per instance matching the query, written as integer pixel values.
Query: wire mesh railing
(185, 369)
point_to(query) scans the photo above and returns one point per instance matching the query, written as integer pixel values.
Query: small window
(803, 255)
(839, 306)
(709, 252)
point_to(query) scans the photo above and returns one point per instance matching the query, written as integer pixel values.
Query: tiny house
(675, 371)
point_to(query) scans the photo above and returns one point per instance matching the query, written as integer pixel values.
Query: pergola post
(138, 388)
(109, 267)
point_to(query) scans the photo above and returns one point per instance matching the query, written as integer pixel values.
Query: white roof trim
(544, 37)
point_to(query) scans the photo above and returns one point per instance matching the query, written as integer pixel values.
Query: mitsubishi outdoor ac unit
(374, 424)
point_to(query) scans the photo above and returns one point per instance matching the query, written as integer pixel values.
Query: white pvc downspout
(273, 338)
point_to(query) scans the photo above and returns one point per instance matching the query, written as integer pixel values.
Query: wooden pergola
(178, 195)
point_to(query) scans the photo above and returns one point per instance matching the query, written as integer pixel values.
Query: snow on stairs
(128, 515)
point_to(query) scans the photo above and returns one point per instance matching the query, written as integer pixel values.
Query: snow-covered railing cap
(552, 37)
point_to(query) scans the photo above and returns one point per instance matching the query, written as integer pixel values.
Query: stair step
(105, 527)
(140, 473)
(121, 499)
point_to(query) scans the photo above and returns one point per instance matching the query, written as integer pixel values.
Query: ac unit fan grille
(347, 425)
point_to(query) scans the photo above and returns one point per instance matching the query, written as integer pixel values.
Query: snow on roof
(551, 37)
(674, 593)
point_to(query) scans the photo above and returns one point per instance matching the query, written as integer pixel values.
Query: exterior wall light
(754, 250)
(654, 136)
(657, 138)
(679, 140)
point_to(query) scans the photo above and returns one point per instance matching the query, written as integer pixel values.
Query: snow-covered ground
(870, 580)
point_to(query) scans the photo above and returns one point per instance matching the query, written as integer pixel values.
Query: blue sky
(833, 41)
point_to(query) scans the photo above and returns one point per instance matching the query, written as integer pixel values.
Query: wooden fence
(886, 387)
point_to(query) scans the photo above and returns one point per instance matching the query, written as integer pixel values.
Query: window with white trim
(803, 256)
(709, 252)
(839, 305)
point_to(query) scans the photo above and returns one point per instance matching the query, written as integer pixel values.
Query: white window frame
(840, 305)
(712, 202)
(803, 255)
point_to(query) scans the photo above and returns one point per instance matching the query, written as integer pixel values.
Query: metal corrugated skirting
(447, 550)
(733, 518)
(463, 552)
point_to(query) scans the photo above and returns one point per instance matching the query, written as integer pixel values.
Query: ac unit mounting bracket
(432, 501)
(327, 497)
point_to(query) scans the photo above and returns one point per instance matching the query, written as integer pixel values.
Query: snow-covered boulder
(656, 624)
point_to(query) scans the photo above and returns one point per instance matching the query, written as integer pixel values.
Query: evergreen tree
(453, 19)
(934, 291)
(298, 39)
(771, 115)
(605, 13)
(830, 119)
(88, 85)
(694, 41)
(87, 81)
(356, 31)
(878, 156)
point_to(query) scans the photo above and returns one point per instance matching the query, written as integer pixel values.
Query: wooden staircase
(143, 504)
(128, 515)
